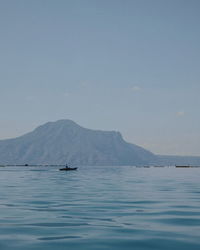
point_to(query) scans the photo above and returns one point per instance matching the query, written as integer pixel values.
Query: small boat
(184, 166)
(67, 169)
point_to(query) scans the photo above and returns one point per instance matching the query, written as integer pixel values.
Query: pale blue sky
(126, 65)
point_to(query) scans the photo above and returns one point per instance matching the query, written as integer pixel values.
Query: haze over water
(99, 208)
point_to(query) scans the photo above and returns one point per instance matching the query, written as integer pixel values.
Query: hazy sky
(126, 65)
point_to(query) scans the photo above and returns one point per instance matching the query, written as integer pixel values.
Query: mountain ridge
(65, 141)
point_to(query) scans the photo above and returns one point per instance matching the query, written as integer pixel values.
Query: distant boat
(184, 166)
(67, 169)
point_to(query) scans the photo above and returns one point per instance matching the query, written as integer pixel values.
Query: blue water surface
(99, 208)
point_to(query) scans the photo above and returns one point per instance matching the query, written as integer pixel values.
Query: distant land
(64, 141)
(171, 160)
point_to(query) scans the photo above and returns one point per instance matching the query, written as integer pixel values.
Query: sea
(100, 208)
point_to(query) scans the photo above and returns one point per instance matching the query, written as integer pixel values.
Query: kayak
(67, 169)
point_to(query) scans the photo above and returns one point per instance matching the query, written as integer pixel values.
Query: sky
(127, 65)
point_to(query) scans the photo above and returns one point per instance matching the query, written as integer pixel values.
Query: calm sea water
(99, 208)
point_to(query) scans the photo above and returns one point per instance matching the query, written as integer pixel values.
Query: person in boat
(67, 168)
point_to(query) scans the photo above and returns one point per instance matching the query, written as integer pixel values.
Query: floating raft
(186, 166)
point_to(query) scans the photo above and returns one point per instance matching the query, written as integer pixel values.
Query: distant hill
(64, 141)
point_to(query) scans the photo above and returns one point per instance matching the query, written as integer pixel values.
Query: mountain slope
(65, 141)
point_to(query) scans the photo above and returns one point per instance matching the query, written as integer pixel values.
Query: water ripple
(110, 208)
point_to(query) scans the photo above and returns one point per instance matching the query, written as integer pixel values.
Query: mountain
(64, 141)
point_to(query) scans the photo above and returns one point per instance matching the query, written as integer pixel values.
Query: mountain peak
(59, 124)
(62, 122)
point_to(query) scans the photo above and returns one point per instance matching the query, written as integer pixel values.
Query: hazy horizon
(129, 66)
